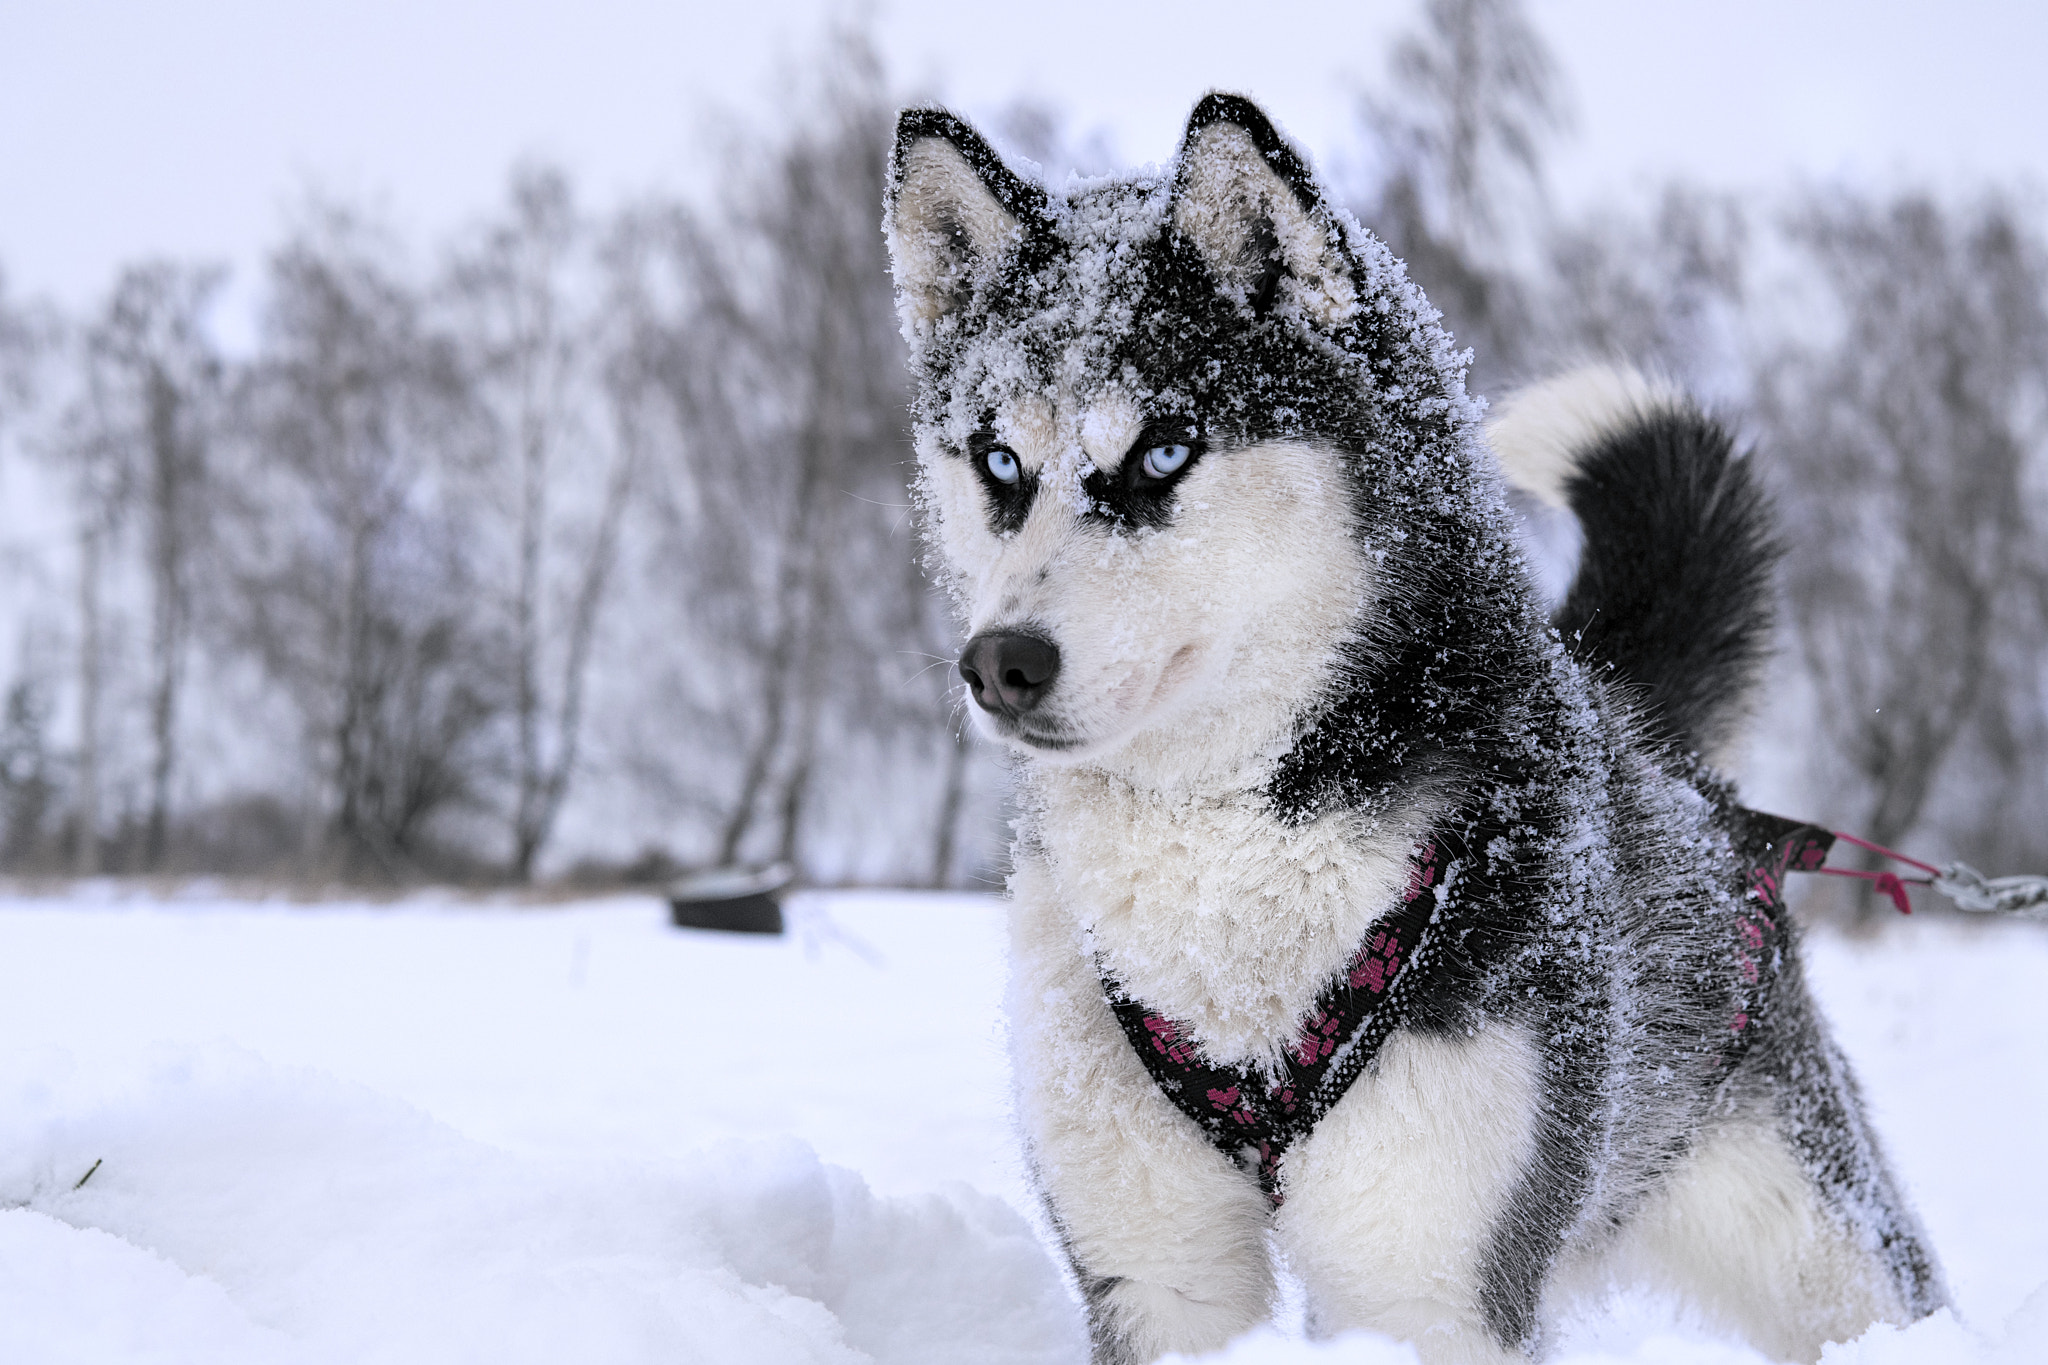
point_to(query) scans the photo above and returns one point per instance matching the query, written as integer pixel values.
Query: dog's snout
(1009, 673)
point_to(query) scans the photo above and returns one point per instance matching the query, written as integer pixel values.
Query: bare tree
(1660, 292)
(355, 585)
(1919, 568)
(27, 784)
(787, 383)
(28, 780)
(155, 381)
(21, 346)
(419, 502)
(524, 293)
(1459, 139)
(93, 444)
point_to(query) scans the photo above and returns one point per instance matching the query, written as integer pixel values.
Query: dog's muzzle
(1009, 673)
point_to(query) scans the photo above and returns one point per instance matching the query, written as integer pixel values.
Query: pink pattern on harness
(1374, 967)
(1230, 1104)
(1243, 1110)
(1166, 1036)
(1421, 872)
(1318, 1038)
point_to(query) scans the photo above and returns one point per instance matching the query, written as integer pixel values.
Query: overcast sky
(129, 129)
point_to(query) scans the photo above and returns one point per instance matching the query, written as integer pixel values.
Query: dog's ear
(1247, 202)
(953, 206)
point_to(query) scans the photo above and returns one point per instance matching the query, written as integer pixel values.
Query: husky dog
(1361, 914)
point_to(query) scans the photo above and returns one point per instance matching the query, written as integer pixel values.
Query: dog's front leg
(1397, 1202)
(1166, 1236)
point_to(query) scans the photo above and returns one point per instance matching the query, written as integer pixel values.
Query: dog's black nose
(1009, 673)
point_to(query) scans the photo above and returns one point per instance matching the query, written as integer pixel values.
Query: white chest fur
(1208, 908)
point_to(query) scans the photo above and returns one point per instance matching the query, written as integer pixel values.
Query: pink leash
(1887, 883)
(1961, 883)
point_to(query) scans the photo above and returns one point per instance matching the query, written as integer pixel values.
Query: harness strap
(1771, 847)
(1964, 885)
(1252, 1117)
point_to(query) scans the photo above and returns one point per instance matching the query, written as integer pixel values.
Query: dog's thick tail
(1673, 589)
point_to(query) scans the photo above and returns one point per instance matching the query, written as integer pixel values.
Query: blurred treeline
(579, 544)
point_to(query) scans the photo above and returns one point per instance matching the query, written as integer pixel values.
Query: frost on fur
(945, 225)
(1673, 587)
(1241, 591)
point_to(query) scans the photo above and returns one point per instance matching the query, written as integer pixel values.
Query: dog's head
(1159, 419)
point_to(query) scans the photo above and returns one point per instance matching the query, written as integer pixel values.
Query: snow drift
(433, 1133)
(241, 1212)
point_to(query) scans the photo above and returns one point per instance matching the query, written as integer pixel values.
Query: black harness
(1253, 1118)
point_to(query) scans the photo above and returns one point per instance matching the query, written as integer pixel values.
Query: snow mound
(241, 1212)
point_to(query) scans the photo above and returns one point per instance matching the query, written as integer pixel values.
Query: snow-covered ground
(442, 1132)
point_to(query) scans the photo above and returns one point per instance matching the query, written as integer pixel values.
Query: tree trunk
(537, 821)
(168, 637)
(795, 590)
(86, 856)
(528, 822)
(954, 796)
(796, 791)
(760, 758)
(360, 816)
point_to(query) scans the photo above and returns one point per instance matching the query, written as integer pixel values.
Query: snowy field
(442, 1132)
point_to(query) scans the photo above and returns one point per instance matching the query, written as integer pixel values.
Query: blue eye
(1003, 465)
(1161, 461)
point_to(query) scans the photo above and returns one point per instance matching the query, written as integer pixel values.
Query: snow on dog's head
(1159, 420)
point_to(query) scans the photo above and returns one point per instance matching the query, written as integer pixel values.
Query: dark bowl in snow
(738, 900)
